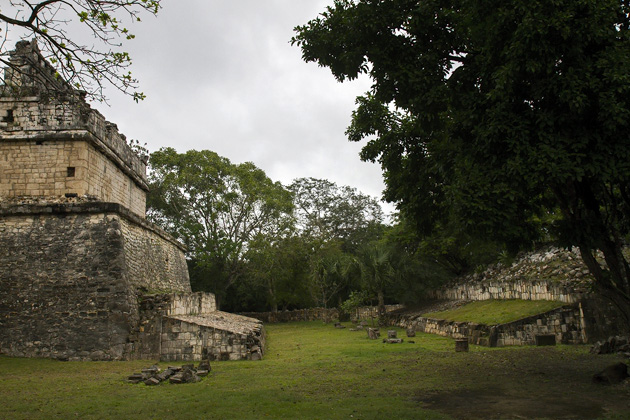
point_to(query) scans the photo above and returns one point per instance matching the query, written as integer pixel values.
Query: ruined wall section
(35, 128)
(64, 293)
(154, 261)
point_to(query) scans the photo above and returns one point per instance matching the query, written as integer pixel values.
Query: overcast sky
(222, 75)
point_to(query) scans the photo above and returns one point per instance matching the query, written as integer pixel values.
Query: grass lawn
(492, 312)
(315, 371)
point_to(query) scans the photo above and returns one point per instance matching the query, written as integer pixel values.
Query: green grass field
(314, 371)
(492, 312)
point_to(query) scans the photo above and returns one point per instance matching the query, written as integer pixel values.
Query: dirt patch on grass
(495, 403)
(529, 383)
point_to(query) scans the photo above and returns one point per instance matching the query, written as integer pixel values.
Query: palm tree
(376, 271)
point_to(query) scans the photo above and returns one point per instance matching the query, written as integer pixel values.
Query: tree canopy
(217, 209)
(499, 115)
(59, 26)
(329, 212)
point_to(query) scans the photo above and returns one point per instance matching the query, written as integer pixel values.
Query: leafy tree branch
(53, 24)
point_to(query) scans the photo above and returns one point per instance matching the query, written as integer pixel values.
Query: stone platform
(213, 336)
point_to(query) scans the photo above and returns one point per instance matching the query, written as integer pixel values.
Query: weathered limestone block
(373, 333)
(461, 345)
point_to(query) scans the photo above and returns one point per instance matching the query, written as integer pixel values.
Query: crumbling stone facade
(548, 274)
(83, 275)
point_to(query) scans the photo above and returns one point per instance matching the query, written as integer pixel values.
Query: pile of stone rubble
(616, 344)
(173, 374)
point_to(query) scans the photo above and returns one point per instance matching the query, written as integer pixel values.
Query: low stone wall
(566, 323)
(311, 314)
(192, 304)
(316, 314)
(371, 312)
(527, 290)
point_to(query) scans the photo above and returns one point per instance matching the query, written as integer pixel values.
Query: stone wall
(192, 304)
(67, 116)
(187, 327)
(316, 314)
(566, 323)
(154, 261)
(549, 274)
(53, 143)
(64, 292)
(55, 168)
(49, 109)
(311, 314)
(70, 275)
(500, 289)
(213, 336)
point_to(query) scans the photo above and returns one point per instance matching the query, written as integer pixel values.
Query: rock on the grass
(373, 333)
(617, 344)
(613, 374)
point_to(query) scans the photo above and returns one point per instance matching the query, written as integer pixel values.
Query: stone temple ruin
(83, 274)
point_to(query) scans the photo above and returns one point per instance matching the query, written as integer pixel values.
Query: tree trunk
(605, 286)
(381, 304)
(583, 209)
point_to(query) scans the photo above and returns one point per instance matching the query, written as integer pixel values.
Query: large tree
(88, 63)
(217, 209)
(329, 212)
(278, 269)
(497, 113)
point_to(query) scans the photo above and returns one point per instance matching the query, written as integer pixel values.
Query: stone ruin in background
(83, 274)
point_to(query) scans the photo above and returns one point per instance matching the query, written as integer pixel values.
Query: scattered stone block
(545, 340)
(189, 375)
(256, 356)
(613, 374)
(165, 375)
(373, 333)
(392, 340)
(152, 381)
(204, 365)
(151, 370)
(411, 332)
(177, 378)
(391, 334)
(617, 344)
(338, 325)
(136, 378)
(461, 345)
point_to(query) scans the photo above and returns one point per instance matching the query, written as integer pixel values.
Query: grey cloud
(221, 75)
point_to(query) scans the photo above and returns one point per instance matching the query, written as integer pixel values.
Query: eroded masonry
(83, 274)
